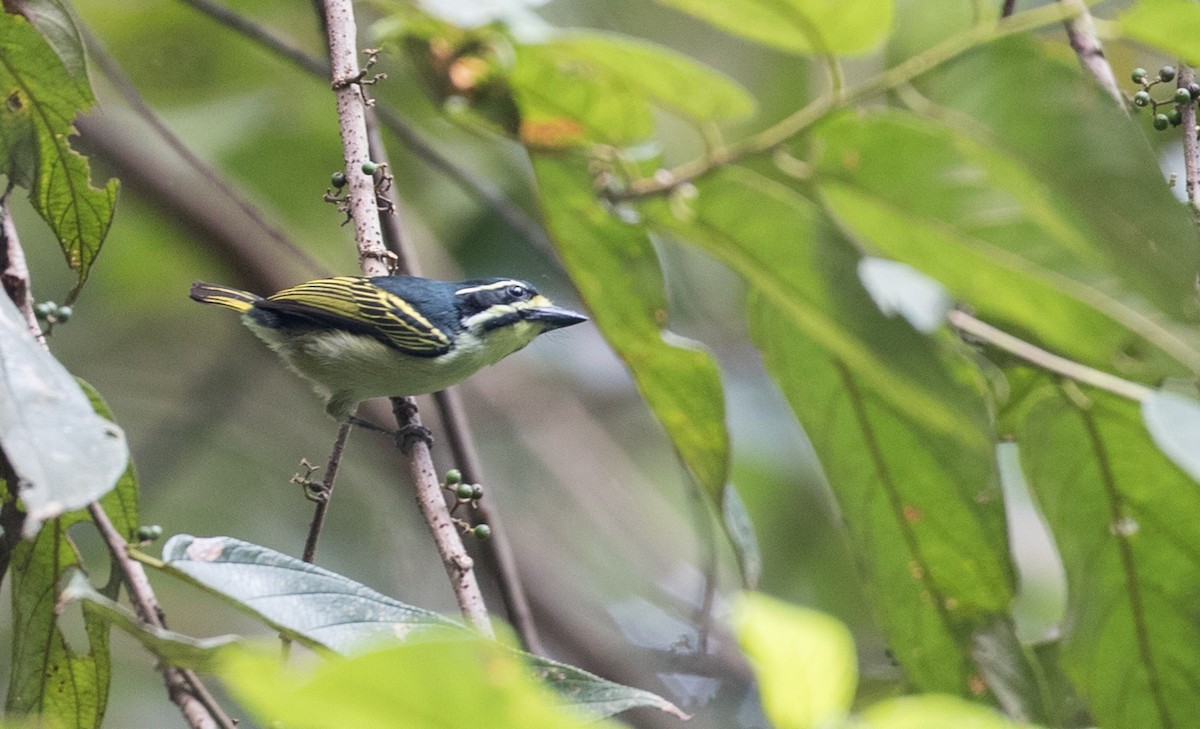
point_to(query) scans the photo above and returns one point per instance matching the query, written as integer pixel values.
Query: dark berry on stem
(1194, 89)
(1161, 121)
(1175, 116)
(1141, 98)
(1166, 73)
(1183, 96)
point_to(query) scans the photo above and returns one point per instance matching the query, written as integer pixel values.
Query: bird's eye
(518, 292)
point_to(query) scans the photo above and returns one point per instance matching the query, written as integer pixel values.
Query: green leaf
(1014, 674)
(933, 712)
(775, 251)
(325, 610)
(740, 529)
(1002, 237)
(450, 684)
(1173, 421)
(42, 98)
(297, 598)
(56, 24)
(48, 677)
(580, 86)
(65, 455)
(798, 26)
(1126, 521)
(803, 659)
(617, 274)
(923, 507)
(1170, 25)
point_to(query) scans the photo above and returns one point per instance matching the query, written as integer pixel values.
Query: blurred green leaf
(799, 26)
(42, 99)
(934, 712)
(1173, 421)
(617, 274)
(1126, 521)
(413, 686)
(325, 610)
(897, 288)
(803, 659)
(54, 20)
(994, 233)
(581, 86)
(48, 677)
(922, 506)
(1014, 674)
(1170, 25)
(65, 455)
(773, 249)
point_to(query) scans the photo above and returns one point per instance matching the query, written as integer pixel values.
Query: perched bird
(355, 337)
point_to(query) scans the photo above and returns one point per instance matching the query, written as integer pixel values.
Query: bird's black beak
(553, 317)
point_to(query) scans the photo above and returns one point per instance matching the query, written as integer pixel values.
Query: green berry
(464, 491)
(1183, 96)
(338, 180)
(43, 309)
(453, 476)
(149, 533)
(476, 492)
(63, 313)
(1141, 98)
(1161, 121)
(481, 531)
(1175, 116)
(1166, 73)
(1139, 75)
(369, 168)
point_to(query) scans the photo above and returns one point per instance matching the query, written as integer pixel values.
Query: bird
(358, 337)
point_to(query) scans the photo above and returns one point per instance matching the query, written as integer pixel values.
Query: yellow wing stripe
(355, 299)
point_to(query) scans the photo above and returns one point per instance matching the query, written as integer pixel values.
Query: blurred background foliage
(613, 541)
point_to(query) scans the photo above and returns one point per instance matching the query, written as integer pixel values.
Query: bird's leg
(404, 436)
(368, 425)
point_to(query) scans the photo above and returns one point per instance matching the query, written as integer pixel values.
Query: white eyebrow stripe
(491, 286)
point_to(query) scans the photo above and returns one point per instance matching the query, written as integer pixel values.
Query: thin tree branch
(1081, 32)
(1007, 8)
(1191, 153)
(322, 499)
(511, 213)
(184, 687)
(14, 273)
(1039, 357)
(374, 259)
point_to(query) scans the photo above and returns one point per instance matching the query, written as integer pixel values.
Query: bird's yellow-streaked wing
(355, 304)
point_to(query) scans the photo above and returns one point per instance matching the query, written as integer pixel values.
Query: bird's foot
(406, 436)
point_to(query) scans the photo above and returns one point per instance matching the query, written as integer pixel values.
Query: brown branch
(14, 273)
(1191, 153)
(322, 499)
(1081, 32)
(373, 257)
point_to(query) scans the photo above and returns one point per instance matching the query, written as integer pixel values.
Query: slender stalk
(374, 259)
(1081, 32)
(1191, 153)
(1039, 357)
(322, 507)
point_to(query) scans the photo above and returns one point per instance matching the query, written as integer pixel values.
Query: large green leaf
(767, 233)
(923, 506)
(997, 234)
(617, 273)
(1172, 25)
(42, 98)
(65, 454)
(581, 86)
(799, 26)
(48, 677)
(1127, 522)
(933, 712)
(327, 611)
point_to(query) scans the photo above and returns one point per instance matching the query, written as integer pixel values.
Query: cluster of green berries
(466, 493)
(1182, 96)
(51, 313)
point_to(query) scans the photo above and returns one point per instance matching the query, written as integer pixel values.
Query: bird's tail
(230, 298)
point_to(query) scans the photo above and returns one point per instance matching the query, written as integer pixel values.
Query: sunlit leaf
(615, 269)
(799, 26)
(934, 712)
(41, 99)
(922, 507)
(65, 455)
(1126, 520)
(804, 661)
